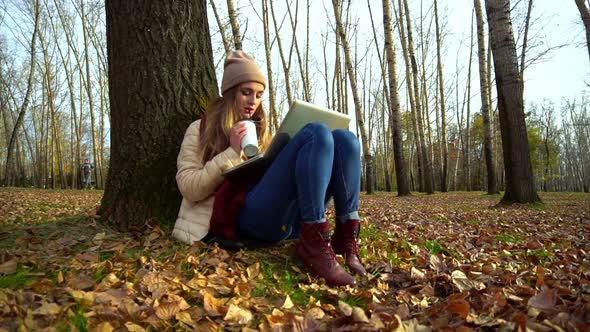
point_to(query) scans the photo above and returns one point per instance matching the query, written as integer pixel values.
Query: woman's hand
(236, 134)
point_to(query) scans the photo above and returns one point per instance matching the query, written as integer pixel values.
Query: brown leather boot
(344, 243)
(315, 251)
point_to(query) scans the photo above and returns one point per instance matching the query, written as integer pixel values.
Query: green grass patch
(472, 222)
(105, 255)
(99, 274)
(372, 234)
(279, 278)
(542, 255)
(78, 320)
(436, 248)
(16, 281)
(355, 301)
(509, 238)
(394, 259)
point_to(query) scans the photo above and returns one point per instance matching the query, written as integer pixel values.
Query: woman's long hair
(222, 114)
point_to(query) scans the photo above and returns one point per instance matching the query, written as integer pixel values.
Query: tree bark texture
(357, 102)
(396, 131)
(10, 173)
(161, 75)
(443, 116)
(520, 184)
(235, 26)
(423, 152)
(485, 106)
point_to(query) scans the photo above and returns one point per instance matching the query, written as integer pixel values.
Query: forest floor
(451, 261)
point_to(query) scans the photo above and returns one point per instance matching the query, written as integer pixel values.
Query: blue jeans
(316, 165)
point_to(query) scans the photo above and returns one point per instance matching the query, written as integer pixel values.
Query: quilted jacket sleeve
(195, 180)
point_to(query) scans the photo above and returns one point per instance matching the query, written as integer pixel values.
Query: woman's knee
(347, 140)
(320, 132)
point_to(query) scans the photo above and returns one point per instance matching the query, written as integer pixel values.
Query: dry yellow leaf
(213, 306)
(238, 315)
(358, 315)
(132, 327)
(48, 309)
(287, 304)
(103, 327)
(186, 318)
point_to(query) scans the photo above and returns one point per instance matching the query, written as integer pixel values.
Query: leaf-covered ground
(443, 262)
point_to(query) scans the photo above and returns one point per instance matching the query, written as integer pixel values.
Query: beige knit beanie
(240, 67)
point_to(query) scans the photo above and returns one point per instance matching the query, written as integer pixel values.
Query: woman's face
(248, 98)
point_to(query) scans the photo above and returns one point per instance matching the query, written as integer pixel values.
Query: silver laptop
(300, 113)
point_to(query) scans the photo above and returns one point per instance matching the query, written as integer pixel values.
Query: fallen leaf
(287, 304)
(170, 305)
(186, 318)
(98, 238)
(48, 309)
(132, 327)
(461, 281)
(417, 274)
(358, 315)
(213, 306)
(315, 313)
(345, 308)
(459, 307)
(104, 327)
(253, 270)
(544, 300)
(238, 315)
(9, 267)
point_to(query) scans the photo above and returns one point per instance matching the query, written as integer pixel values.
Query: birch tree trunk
(520, 184)
(410, 96)
(395, 113)
(357, 102)
(426, 164)
(235, 26)
(10, 172)
(148, 120)
(485, 106)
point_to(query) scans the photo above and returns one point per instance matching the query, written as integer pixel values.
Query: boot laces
(325, 238)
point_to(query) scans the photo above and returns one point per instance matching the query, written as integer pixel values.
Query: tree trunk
(9, 173)
(159, 82)
(286, 64)
(485, 106)
(97, 168)
(426, 165)
(302, 66)
(520, 184)
(226, 43)
(585, 15)
(525, 39)
(357, 102)
(235, 26)
(272, 109)
(395, 112)
(467, 99)
(443, 116)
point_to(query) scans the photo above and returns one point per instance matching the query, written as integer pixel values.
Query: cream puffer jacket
(197, 184)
